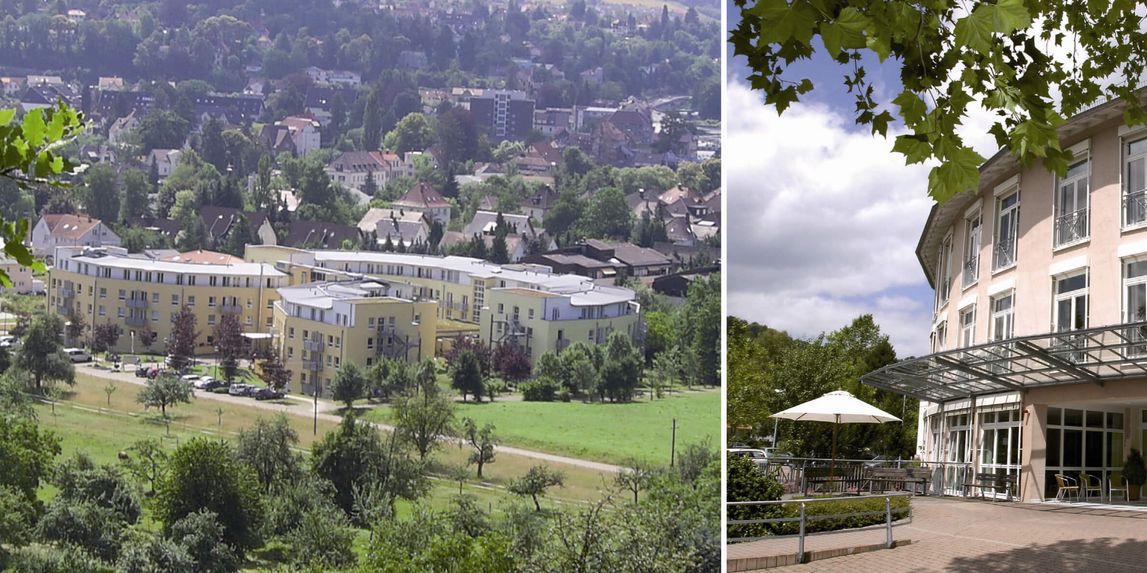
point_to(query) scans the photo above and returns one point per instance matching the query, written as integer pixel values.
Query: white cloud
(822, 223)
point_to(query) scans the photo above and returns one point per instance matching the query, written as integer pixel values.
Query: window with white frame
(1135, 302)
(940, 342)
(1007, 223)
(944, 287)
(1071, 302)
(968, 327)
(1003, 317)
(972, 234)
(1071, 203)
(1135, 189)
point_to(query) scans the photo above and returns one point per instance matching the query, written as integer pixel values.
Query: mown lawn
(86, 422)
(613, 433)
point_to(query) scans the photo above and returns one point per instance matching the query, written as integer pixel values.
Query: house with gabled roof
(68, 230)
(422, 197)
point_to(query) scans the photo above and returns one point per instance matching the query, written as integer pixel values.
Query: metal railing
(135, 320)
(66, 292)
(313, 345)
(803, 518)
(1135, 208)
(137, 303)
(1071, 227)
(1004, 253)
(312, 365)
(971, 271)
(230, 309)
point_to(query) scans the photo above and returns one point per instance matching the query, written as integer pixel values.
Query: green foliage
(201, 536)
(65, 559)
(322, 539)
(353, 456)
(181, 343)
(746, 482)
(466, 376)
(29, 153)
(42, 352)
(267, 447)
(813, 512)
(145, 553)
(542, 389)
(17, 518)
(146, 462)
(426, 542)
(229, 344)
(607, 216)
(81, 481)
(85, 525)
(204, 475)
(26, 454)
(422, 414)
(621, 370)
(164, 391)
(349, 385)
(481, 440)
(101, 192)
(535, 483)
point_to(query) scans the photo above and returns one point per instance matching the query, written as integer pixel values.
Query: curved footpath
(305, 407)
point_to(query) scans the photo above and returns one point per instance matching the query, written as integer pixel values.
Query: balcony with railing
(312, 365)
(136, 303)
(230, 308)
(1071, 228)
(971, 271)
(313, 345)
(1004, 253)
(562, 344)
(1135, 208)
(67, 292)
(135, 320)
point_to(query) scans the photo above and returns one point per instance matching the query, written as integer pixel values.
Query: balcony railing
(971, 271)
(136, 320)
(313, 345)
(312, 365)
(1135, 208)
(67, 292)
(230, 309)
(1137, 335)
(1004, 253)
(136, 303)
(1071, 227)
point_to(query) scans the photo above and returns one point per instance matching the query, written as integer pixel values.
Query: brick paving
(951, 534)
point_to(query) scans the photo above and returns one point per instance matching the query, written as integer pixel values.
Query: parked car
(209, 383)
(7, 341)
(190, 378)
(143, 371)
(78, 354)
(778, 457)
(757, 456)
(877, 462)
(268, 394)
(241, 390)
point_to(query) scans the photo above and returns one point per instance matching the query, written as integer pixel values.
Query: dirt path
(304, 407)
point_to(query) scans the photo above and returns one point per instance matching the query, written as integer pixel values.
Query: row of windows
(1069, 308)
(1071, 223)
(141, 276)
(142, 315)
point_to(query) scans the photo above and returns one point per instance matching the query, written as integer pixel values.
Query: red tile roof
(422, 196)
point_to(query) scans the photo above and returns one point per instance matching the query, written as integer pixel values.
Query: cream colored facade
(322, 327)
(553, 310)
(142, 295)
(1032, 253)
(20, 276)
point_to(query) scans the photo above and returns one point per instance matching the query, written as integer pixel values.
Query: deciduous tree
(535, 483)
(482, 440)
(181, 343)
(163, 391)
(423, 414)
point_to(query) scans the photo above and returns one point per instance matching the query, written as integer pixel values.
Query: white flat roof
(133, 263)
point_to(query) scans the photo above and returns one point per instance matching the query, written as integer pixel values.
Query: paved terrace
(952, 534)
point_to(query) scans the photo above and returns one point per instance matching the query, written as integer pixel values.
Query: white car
(204, 382)
(7, 341)
(759, 457)
(190, 378)
(78, 354)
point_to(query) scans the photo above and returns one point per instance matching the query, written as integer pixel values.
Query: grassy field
(86, 422)
(613, 433)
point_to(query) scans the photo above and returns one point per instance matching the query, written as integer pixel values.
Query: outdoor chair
(1089, 483)
(1116, 483)
(1066, 487)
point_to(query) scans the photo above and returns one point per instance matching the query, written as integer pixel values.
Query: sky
(823, 219)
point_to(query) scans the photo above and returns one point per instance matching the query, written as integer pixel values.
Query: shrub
(814, 523)
(540, 390)
(746, 482)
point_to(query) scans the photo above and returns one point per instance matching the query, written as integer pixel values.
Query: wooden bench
(998, 483)
(819, 479)
(899, 477)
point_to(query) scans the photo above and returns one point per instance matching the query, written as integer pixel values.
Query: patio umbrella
(837, 407)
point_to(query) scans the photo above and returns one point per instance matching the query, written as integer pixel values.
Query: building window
(940, 342)
(122, 294)
(1071, 221)
(968, 327)
(972, 231)
(155, 316)
(1135, 193)
(370, 343)
(103, 292)
(211, 301)
(1071, 312)
(190, 300)
(1135, 302)
(1002, 317)
(530, 314)
(1007, 223)
(103, 311)
(944, 288)
(211, 320)
(291, 333)
(175, 300)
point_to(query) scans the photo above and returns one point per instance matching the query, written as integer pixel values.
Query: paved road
(301, 406)
(950, 534)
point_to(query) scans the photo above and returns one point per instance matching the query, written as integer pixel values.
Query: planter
(1133, 491)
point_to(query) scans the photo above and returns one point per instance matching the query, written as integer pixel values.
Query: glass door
(1000, 445)
(956, 454)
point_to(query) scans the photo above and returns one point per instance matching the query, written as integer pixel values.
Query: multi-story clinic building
(324, 309)
(1039, 362)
